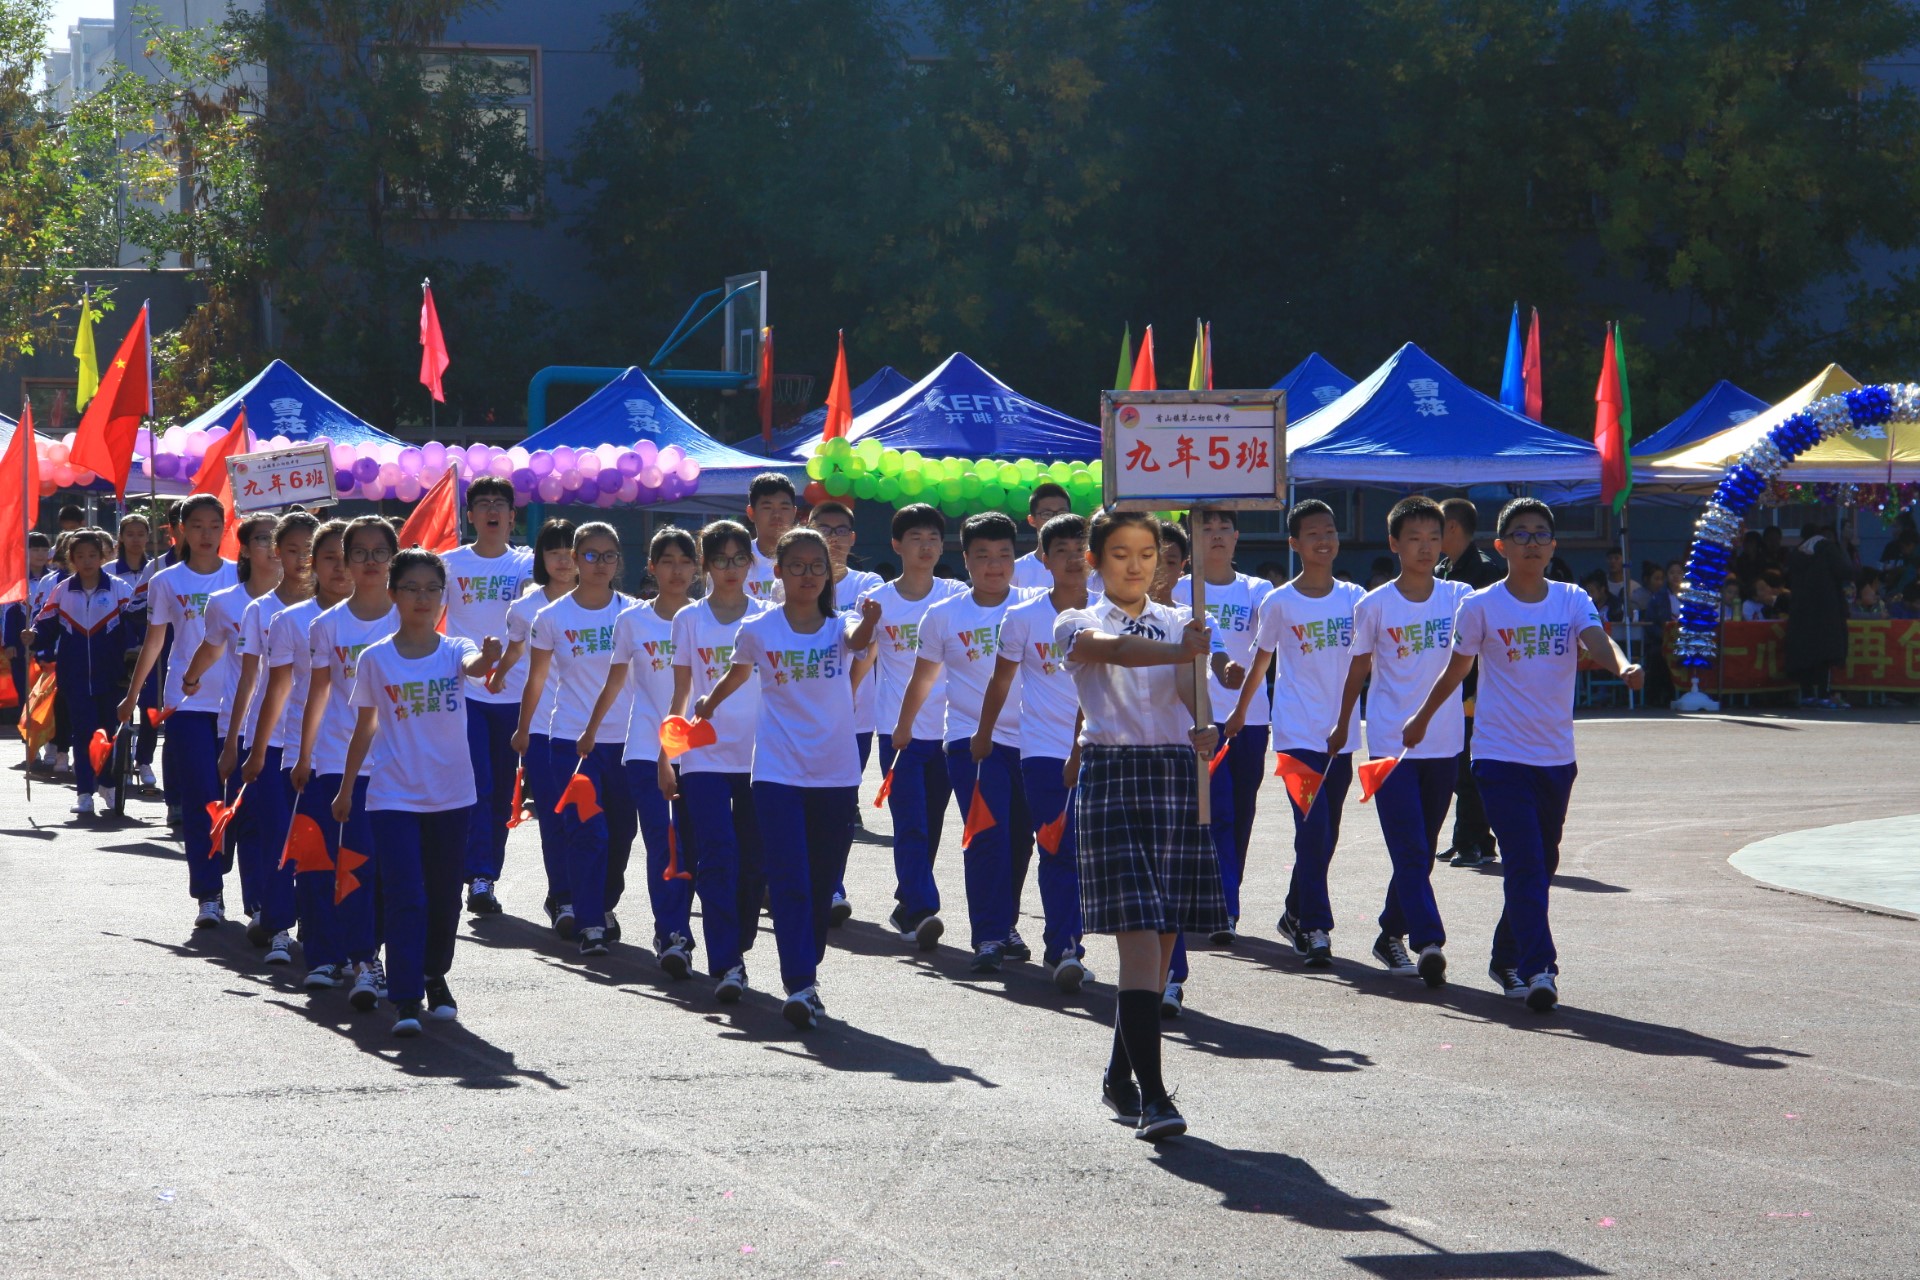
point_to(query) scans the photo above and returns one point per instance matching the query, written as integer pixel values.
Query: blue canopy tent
(1311, 385)
(961, 410)
(1411, 425)
(1723, 407)
(885, 383)
(631, 408)
(280, 402)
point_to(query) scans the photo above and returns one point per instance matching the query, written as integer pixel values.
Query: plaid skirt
(1145, 860)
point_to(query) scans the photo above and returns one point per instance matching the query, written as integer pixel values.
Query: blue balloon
(166, 465)
(343, 482)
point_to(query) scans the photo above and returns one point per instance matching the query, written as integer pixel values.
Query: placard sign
(1177, 449)
(302, 475)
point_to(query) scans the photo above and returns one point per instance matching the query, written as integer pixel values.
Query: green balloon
(869, 451)
(838, 447)
(954, 467)
(1006, 474)
(912, 483)
(1029, 471)
(953, 508)
(1097, 468)
(853, 466)
(865, 487)
(912, 458)
(1058, 472)
(816, 468)
(837, 484)
(949, 490)
(890, 462)
(1019, 498)
(993, 498)
(887, 490)
(970, 487)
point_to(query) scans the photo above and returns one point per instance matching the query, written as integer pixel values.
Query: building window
(508, 82)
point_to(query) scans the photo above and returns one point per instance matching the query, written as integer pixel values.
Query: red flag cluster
(103, 442)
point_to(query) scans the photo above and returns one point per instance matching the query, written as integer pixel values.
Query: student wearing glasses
(410, 695)
(485, 577)
(572, 647)
(834, 522)
(1527, 634)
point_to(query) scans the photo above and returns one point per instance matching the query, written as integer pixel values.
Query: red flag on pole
(433, 344)
(979, 818)
(435, 522)
(1143, 379)
(1303, 780)
(213, 478)
(103, 442)
(19, 507)
(1373, 775)
(1608, 438)
(1209, 355)
(839, 397)
(1530, 369)
(766, 388)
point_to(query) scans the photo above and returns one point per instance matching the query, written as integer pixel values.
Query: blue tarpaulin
(1312, 385)
(962, 411)
(1411, 424)
(282, 403)
(632, 408)
(1724, 406)
(886, 383)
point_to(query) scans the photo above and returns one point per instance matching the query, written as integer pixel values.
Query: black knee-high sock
(1119, 1066)
(1139, 1021)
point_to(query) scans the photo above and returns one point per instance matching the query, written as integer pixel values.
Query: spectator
(1752, 560)
(1901, 557)
(71, 518)
(1731, 605)
(1867, 602)
(1595, 585)
(1764, 603)
(1627, 594)
(1907, 607)
(1382, 573)
(1817, 626)
(1773, 549)
(1661, 609)
(1462, 560)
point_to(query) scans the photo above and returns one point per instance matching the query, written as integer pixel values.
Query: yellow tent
(1853, 457)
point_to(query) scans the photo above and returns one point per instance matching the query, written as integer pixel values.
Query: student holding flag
(83, 629)
(135, 565)
(410, 693)
(806, 769)
(1403, 639)
(1527, 634)
(834, 522)
(1307, 626)
(176, 606)
(572, 647)
(715, 781)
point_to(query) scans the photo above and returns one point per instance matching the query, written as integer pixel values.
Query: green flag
(1626, 418)
(1124, 378)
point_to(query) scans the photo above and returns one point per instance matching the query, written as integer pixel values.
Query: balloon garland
(958, 486)
(1717, 533)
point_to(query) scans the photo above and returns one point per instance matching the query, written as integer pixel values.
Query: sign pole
(1202, 692)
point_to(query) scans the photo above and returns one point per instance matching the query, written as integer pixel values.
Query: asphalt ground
(1732, 1087)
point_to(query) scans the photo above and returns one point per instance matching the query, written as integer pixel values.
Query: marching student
(484, 578)
(639, 683)
(1049, 707)
(918, 783)
(1168, 574)
(269, 807)
(772, 506)
(288, 659)
(335, 643)
(83, 629)
(1233, 605)
(1403, 639)
(410, 691)
(1147, 867)
(1462, 560)
(572, 645)
(960, 638)
(135, 565)
(39, 591)
(19, 616)
(1030, 570)
(555, 573)
(259, 572)
(834, 522)
(1307, 626)
(715, 782)
(806, 770)
(1527, 634)
(190, 755)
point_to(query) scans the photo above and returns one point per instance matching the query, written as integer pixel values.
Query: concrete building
(84, 66)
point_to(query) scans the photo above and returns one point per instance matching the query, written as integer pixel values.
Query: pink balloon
(83, 477)
(671, 456)
(648, 452)
(587, 464)
(551, 488)
(563, 458)
(372, 492)
(56, 453)
(62, 475)
(688, 471)
(570, 481)
(389, 475)
(408, 490)
(409, 461)
(650, 477)
(500, 465)
(629, 489)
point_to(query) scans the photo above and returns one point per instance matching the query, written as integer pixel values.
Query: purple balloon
(477, 458)
(500, 465)
(540, 463)
(524, 480)
(366, 470)
(166, 465)
(409, 461)
(627, 463)
(563, 459)
(344, 483)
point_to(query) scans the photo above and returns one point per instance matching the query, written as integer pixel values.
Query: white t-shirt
(1031, 574)
(255, 620)
(704, 645)
(1411, 645)
(897, 638)
(226, 621)
(1127, 706)
(520, 616)
(1048, 700)
(288, 646)
(1312, 642)
(581, 642)
(803, 733)
(1234, 609)
(421, 707)
(178, 598)
(964, 634)
(763, 584)
(336, 641)
(1529, 654)
(644, 641)
(847, 595)
(479, 590)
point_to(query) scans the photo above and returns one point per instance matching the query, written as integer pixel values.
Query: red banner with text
(1881, 654)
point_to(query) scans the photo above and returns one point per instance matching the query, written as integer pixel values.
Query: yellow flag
(89, 381)
(1197, 372)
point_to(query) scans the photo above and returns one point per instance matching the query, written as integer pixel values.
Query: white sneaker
(105, 795)
(280, 951)
(1173, 1001)
(322, 977)
(732, 985)
(1070, 974)
(801, 1009)
(83, 805)
(61, 764)
(147, 779)
(366, 990)
(213, 912)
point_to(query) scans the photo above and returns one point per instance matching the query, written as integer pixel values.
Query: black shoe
(1228, 936)
(593, 942)
(1542, 993)
(676, 960)
(1446, 855)
(1469, 858)
(407, 1023)
(440, 1002)
(1160, 1120)
(1433, 966)
(1289, 927)
(257, 933)
(613, 926)
(1122, 1098)
(1508, 980)
(481, 899)
(1392, 952)
(839, 913)
(924, 933)
(1016, 948)
(1318, 948)
(987, 958)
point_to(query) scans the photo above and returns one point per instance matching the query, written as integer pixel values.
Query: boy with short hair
(1030, 570)
(1403, 639)
(1310, 621)
(484, 578)
(917, 784)
(772, 506)
(1527, 634)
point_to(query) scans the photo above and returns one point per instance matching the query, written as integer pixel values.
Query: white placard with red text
(1180, 449)
(302, 475)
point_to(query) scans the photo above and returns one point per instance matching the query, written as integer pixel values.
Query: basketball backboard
(743, 319)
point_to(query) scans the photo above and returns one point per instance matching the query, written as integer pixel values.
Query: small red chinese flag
(583, 796)
(221, 815)
(979, 817)
(345, 883)
(839, 397)
(886, 789)
(1373, 774)
(679, 735)
(99, 750)
(435, 522)
(1303, 782)
(1218, 756)
(433, 344)
(517, 813)
(156, 714)
(673, 871)
(1052, 834)
(103, 442)
(306, 848)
